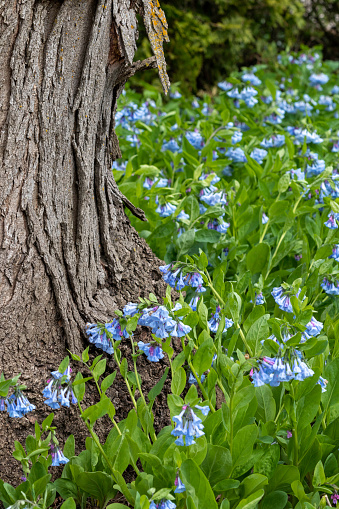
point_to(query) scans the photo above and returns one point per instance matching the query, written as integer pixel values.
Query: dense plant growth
(242, 200)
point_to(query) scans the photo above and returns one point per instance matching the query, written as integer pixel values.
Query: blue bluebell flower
(259, 299)
(218, 225)
(131, 309)
(225, 86)
(330, 287)
(236, 154)
(234, 94)
(119, 166)
(335, 90)
(213, 323)
(236, 137)
(102, 335)
(163, 504)
(195, 139)
(252, 78)
(58, 457)
(313, 328)
(182, 215)
(318, 79)
(335, 252)
(153, 353)
(2, 405)
(180, 487)
(211, 198)
(297, 174)
(188, 426)
(193, 380)
(166, 210)
(275, 118)
(274, 141)
(326, 100)
(18, 404)
(264, 218)
(171, 145)
(317, 166)
(194, 302)
(302, 134)
(259, 154)
(180, 330)
(282, 298)
(331, 223)
(175, 95)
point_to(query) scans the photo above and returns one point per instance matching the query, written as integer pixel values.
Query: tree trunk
(68, 254)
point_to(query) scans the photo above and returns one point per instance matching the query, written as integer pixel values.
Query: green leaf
(79, 390)
(197, 485)
(204, 356)
(257, 257)
(156, 390)
(284, 182)
(283, 477)
(243, 445)
(85, 355)
(275, 499)
(66, 488)
(266, 403)
(69, 504)
(63, 365)
(69, 447)
(331, 396)
(258, 331)
(186, 241)
(99, 369)
(124, 368)
(225, 485)
(251, 502)
(178, 381)
(210, 236)
(217, 464)
(108, 381)
(97, 484)
(163, 231)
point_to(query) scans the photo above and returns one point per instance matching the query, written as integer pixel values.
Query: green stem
(98, 444)
(100, 393)
(264, 232)
(153, 435)
(231, 421)
(126, 382)
(249, 349)
(279, 412)
(204, 393)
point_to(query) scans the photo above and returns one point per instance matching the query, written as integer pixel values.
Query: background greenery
(210, 39)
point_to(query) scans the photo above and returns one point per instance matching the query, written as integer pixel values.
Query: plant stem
(204, 393)
(126, 382)
(249, 349)
(100, 393)
(153, 435)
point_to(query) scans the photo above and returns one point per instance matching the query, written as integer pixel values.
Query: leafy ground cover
(241, 196)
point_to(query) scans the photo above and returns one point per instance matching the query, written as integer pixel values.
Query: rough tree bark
(68, 254)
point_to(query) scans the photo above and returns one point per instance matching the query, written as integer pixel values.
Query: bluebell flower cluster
(176, 279)
(282, 298)
(163, 504)
(195, 139)
(273, 371)
(17, 404)
(58, 457)
(153, 352)
(213, 323)
(329, 286)
(274, 141)
(104, 335)
(335, 252)
(259, 154)
(59, 391)
(188, 425)
(331, 222)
